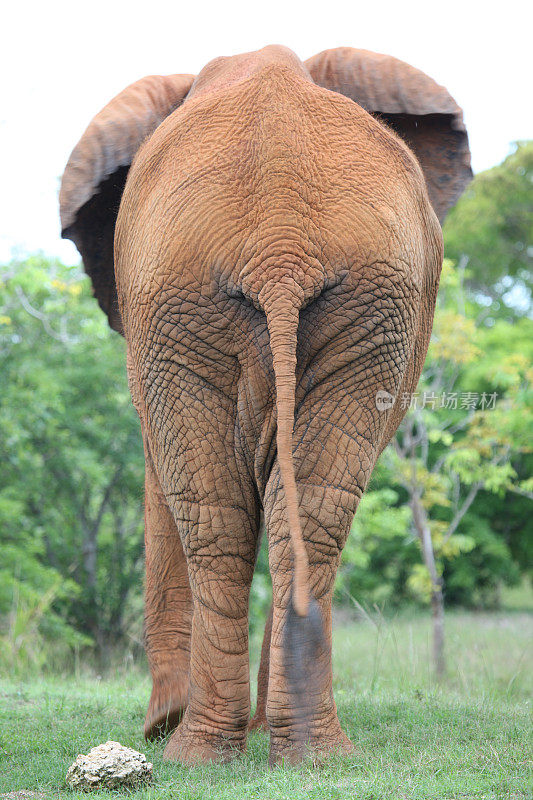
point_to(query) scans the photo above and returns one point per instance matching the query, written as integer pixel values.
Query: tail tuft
(303, 643)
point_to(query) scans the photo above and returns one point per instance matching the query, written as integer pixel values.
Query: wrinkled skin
(277, 261)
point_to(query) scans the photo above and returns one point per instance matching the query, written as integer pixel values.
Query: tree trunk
(437, 608)
(437, 599)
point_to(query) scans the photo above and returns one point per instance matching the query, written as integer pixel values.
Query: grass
(468, 738)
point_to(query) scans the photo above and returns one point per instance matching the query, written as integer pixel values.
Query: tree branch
(471, 496)
(521, 492)
(64, 338)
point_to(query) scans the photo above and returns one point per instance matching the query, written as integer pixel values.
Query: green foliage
(485, 443)
(71, 467)
(474, 579)
(261, 591)
(492, 225)
(380, 550)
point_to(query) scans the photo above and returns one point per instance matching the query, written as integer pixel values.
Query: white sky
(62, 61)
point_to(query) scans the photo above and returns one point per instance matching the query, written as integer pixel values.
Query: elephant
(266, 236)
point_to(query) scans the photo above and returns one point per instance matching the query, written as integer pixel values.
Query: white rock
(108, 766)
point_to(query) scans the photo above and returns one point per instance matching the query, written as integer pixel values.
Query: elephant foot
(323, 744)
(167, 705)
(326, 747)
(192, 747)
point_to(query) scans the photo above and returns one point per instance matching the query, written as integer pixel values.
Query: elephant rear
(277, 257)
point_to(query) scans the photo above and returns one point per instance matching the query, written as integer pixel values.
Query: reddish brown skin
(168, 610)
(211, 229)
(277, 259)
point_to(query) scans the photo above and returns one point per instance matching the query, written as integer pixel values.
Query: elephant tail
(281, 302)
(303, 635)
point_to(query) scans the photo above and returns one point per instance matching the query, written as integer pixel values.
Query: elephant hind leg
(220, 543)
(213, 501)
(168, 612)
(304, 717)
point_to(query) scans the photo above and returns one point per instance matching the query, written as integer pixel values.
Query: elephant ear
(419, 110)
(94, 178)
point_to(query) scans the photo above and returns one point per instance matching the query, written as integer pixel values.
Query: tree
(459, 438)
(71, 457)
(492, 227)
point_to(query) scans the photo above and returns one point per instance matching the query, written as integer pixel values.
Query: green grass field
(468, 738)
